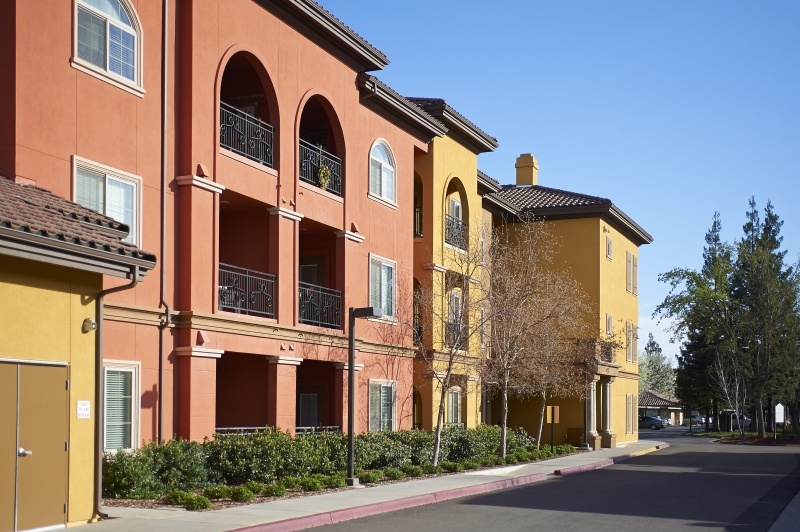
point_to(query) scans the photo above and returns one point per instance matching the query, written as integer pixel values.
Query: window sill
(107, 77)
(382, 201)
(388, 320)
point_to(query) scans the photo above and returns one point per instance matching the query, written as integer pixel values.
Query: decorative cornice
(197, 351)
(349, 235)
(285, 361)
(200, 182)
(133, 314)
(435, 267)
(345, 366)
(286, 213)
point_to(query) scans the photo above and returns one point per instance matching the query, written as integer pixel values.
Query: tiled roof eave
(45, 249)
(615, 216)
(401, 107)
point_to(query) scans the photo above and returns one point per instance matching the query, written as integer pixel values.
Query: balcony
(455, 335)
(245, 135)
(246, 291)
(455, 232)
(320, 306)
(313, 160)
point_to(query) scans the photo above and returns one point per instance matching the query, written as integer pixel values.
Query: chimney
(527, 170)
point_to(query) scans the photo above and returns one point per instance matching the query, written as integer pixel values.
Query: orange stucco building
(246, 143)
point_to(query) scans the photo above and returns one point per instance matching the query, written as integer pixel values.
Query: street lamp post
(363, 312)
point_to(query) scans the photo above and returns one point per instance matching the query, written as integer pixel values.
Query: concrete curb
(327, 518)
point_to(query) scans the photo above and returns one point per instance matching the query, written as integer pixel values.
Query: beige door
(35, 419)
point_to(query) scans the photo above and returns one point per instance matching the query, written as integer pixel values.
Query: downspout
(99, 391)
(163, 251)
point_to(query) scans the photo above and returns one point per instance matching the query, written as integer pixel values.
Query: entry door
(34, 413)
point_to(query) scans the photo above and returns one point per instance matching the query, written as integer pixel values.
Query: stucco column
(282, 392)
(340, 395)
(592, 410)
(472, 399)
(197, 391)
(284, 227)
(608, 437)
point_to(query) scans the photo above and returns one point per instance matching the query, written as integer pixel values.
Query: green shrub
(393, 473)
(217, 491)
(451, 467)
(241, 494)
(371, 476)
(255, 487)
(129, 475)
(518, 438)
(310, 484)
(273, 490)
(334, 481)
(412, 470)
(177, 497)
(197, 502)
(290, 483)
(375, 450)
(522, 455)
(419, 443)
(323, 453)
(470, 464)
(178, 464)
(239, 458)
(431, 469)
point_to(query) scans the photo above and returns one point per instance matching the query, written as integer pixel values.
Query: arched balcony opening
(456, 228)
(247, 110)
(417, 206)
(321, 146)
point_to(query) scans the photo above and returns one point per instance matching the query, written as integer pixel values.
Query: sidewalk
(315, 510)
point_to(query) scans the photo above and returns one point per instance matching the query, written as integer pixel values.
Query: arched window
(108, 40)
(381, 172)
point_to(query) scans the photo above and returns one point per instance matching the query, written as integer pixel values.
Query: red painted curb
(583, 468)
(326, 518)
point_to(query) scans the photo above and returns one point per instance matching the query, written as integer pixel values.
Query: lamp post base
(584, 447)
(353, 483)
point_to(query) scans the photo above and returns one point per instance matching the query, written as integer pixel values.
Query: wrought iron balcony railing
(320, 306)
(313, 161)
(246, 291)
(455, 335)
(455, 232)
(417, 222)
(245, 134)
(299, 431)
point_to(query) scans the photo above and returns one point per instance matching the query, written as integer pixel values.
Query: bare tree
(453, 308)
(538, 312)
(731, 384)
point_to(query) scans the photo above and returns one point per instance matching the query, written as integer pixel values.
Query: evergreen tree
(655, 370)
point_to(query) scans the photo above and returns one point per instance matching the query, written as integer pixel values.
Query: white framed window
(382, 284)
(381, 405)
(121, 412)
(108, 42)
(454, 309)
(454, 405)
(635, 414)
(635, 275)
(609, 325)
(382, 172)
(609, 248)
(111, 192)
(628, 341)
(635, 342)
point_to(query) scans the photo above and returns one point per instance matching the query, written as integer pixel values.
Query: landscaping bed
(236, 469)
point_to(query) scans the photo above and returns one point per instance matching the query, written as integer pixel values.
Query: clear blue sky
(672, 109)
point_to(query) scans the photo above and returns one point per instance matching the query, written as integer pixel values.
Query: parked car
(652, 422)
(667, 420)
(747, 423)
(694, 421)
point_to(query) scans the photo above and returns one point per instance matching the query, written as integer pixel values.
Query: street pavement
(336, 507)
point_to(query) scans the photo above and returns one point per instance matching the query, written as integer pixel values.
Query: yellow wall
(42, 311)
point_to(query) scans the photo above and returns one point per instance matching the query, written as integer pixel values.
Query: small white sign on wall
(84, 409)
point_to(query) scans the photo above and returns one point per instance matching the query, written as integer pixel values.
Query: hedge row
(270, 455)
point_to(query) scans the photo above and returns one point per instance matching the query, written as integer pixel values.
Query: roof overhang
(314, 21)
(383, 100)
(43, 249)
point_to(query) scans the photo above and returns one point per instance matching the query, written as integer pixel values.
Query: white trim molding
(200, 182)
(285, 361)
(286, 213)
(197, 351)
(435, 267)
(350, 235)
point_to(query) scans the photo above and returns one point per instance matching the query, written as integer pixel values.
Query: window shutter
(635, 335)
(387, 406)
(118, 409)
(90, 190)
(635, 275)
(375, 176)
(374, 407)
(375, 283)
(628, 270)
(628, 401)
(628, 345)
(388, 182)
(91, 38)
(636, 413)
(609, 251)
(387, 289)
(608, 325)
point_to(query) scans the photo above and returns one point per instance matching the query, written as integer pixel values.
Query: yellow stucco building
(53, 255)
(449, 235)
(600, 245)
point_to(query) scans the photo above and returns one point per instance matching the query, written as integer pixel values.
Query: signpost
(552, 419)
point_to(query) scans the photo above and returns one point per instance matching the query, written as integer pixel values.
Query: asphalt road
(693, 484)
